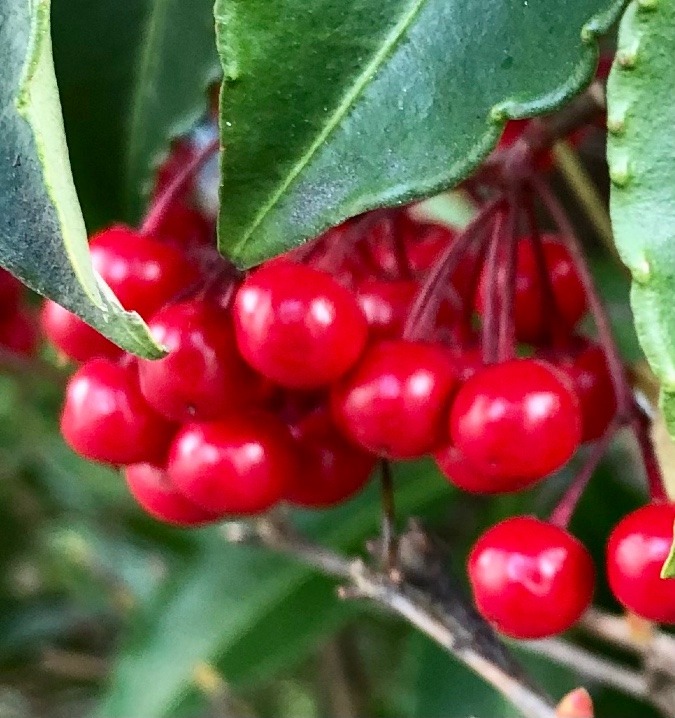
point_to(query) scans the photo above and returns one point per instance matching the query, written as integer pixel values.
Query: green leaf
(133, 75)
(177, 63)
(42, 233)
(334, 107)
(640, 150)
(444, 687)
(246, 610)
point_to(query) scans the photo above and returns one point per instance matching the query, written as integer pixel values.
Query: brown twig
(425, 596)
(655, 648)
(590, 665)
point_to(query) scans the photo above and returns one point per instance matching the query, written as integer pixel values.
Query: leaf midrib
(348, 100)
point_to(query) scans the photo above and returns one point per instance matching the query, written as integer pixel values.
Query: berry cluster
(387, 338)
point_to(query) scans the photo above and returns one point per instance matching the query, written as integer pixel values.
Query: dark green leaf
(640, 150)
(133, 75)
(334, 107)
(238, 607)
(42, 234)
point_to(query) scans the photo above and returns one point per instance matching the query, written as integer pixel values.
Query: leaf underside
(641, 156)
(334, 107)
(42, 233)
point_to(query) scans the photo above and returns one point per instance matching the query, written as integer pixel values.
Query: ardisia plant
(252, 361)
(388, 338)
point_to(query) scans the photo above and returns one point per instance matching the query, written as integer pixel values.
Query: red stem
(476, 274)
(508, 277)
(550, 305)
(426, 302)
(176, 188)
(626, 407)
(640, 427)
(562, 513)
(558, 214)
(491, 316)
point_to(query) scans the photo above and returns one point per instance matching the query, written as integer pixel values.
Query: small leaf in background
(132, 75)
(42, 233)
(640, 148)
(335, 107)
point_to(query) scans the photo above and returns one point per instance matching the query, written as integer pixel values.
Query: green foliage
(641, 144)
(245, 609)
(132, 75)
(42, 233)
(331, 108)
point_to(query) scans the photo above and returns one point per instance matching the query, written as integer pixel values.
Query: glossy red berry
(637, 549)
(386, 305)
(297, 326)
(586, 366)
(460, 473)
(242, 465)
(143, 272)
(157, 496)
(517, 421)
(203, 376)
(72, 336)
(106, 418)
(532, 321)
(395, 401)
(530, 579)
(331, 468)
(18, 332)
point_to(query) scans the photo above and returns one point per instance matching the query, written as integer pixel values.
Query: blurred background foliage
(106, 613)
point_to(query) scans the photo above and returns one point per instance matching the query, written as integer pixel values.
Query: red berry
(531, 319)
(154, 493)
(202, 377)
(18, 332)
(331, 468)
(460, 473)
(72, 336)
(184, 227)
(586, 366)
(11, 290)
(386, 305)
(106, 418)
(530, 579)
(297, 326)
(637, 549)
(243, 465)
(395, 401)
(143, 273)
(517, 422)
